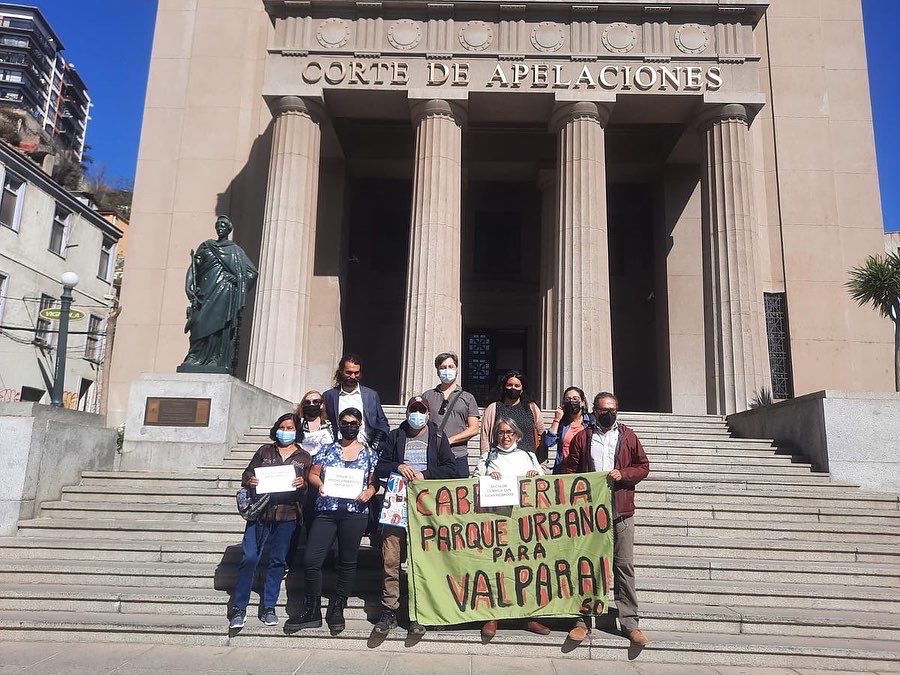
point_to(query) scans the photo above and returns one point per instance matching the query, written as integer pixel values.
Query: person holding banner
(416, 450)
(606, 445)
(344, 475)
(507, 459)
(274, 528)
(514, 404)
(570, 418)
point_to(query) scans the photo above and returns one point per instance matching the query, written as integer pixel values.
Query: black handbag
(250, 505)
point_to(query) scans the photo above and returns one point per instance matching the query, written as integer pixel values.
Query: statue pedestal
(177, 422)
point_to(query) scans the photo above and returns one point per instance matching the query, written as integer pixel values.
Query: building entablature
(607, 48)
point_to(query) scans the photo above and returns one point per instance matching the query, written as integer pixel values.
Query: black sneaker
(238, 619)
(269, 617)
(386, 622)
(415, 628)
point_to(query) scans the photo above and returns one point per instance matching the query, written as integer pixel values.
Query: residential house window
(59, 235)
(41, 332)
(92, 345)
(4, 284)
(11, 201)
(107, 254)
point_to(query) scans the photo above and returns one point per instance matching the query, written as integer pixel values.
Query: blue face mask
(285, 437)
(447, 375)
(417, 420)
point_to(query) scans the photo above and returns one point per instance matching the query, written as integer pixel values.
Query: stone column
(550, 396)
(736, 351)
(281, 314)
(433, 307)
(583, 336)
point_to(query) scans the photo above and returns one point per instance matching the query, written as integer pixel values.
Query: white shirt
(353, 400)
(603, 448)
(509, 463)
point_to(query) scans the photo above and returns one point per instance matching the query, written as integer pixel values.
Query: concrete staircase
(745, 557)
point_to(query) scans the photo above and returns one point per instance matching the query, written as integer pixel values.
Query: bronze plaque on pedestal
(177, 412)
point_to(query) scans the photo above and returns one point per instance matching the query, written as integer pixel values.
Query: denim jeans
(257, 536)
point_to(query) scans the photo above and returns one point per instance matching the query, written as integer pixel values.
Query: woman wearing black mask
(336, 517)
(570, 418)
(314, 433)
(515, 404)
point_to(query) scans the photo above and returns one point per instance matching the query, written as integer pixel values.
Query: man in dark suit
(349, 393)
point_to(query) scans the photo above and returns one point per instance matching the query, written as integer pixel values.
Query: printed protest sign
(500, 492)
(550, 555)
(343, 482)
(393, 512)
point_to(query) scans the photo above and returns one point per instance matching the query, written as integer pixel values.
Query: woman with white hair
(505, 459)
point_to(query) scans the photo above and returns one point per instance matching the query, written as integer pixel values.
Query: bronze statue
(218, 280)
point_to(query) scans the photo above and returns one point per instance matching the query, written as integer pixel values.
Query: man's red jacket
(631, 461)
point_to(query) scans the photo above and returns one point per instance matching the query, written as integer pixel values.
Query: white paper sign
(343, 482)
(503, 492)
(275, 478)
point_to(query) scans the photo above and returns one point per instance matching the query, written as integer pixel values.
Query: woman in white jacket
(503, 460)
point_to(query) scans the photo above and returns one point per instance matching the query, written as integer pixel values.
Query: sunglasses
(443, 407)
(350, 425)
(316, 401)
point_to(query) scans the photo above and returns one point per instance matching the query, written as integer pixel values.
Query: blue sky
(110, 40)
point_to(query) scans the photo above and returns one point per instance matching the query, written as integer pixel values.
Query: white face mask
(417, 420)
(447, 375)
(512, 448)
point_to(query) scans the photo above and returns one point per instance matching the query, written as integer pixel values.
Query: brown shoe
(489, 630)
(579, 631)
(536, 627)
(637, 637)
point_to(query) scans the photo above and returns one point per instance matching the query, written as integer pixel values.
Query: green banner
(548, 556)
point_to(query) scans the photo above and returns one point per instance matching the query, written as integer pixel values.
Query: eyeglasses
(508, 432)
(349, 425)
(316, 401)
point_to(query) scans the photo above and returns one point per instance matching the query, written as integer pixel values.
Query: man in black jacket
(417, 451)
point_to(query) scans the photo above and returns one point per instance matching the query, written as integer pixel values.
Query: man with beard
(349, 393)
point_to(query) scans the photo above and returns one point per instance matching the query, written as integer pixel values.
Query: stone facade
(610, 195)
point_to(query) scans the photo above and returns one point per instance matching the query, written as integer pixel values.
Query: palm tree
(877, 281)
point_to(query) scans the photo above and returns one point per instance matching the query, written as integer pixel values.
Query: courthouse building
(659, 198)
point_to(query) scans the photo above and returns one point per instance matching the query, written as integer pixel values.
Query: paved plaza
(57, 657)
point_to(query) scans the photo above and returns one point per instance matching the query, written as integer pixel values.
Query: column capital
(723, 113)
(565, 112)
(438, 107)
(302, 105)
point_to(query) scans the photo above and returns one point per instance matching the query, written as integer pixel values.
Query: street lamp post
(69, 281)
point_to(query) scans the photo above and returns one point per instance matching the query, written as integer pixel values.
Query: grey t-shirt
(458, 420)
(416, 453)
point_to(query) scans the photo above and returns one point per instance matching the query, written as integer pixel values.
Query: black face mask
(310, 410)
(348, 431)
(606, 419)
(512, 394)
(571, 408)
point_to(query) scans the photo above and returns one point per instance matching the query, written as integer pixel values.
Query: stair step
(667, 647)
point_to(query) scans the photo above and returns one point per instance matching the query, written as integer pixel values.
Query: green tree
(877, 281)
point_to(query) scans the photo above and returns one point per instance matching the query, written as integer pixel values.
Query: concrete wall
(235, 406)
(854, 436)
(43, 449)
(825, 195)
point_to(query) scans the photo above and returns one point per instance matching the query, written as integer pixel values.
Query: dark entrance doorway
(487, 355)
(374, 297)
(633, 296)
